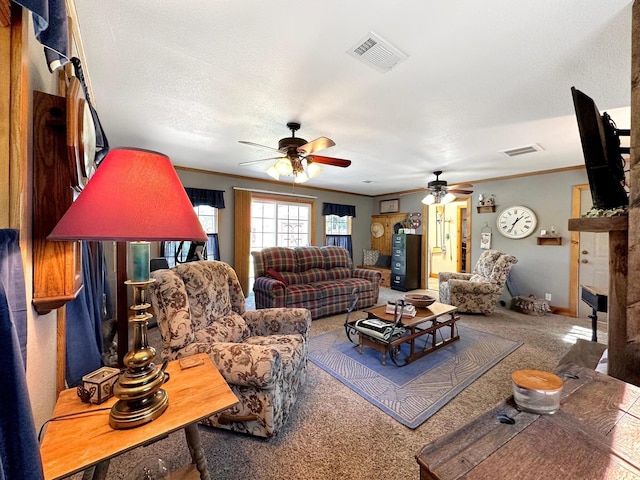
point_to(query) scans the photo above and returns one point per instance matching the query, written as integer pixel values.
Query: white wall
(540, 269)
(41, 329)
(360, 225)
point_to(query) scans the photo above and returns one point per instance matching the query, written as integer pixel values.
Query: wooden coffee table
(594, 436)
(439, 315)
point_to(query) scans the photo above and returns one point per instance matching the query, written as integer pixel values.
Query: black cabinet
(406, 262)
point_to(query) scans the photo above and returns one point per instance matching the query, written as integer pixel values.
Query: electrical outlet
(547, 297)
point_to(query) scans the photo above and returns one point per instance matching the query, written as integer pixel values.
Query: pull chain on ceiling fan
(296, 157)
(440, 192)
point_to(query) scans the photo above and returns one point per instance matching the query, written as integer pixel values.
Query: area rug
(412, 393)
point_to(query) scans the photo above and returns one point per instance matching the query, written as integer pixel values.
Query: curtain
(242, 244)
(343, 241)
(19, 449)
(200, 196)
(339, 210)
(213, 247)
(84, 318)
(51, 29)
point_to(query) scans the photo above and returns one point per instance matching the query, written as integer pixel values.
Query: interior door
(593, 260)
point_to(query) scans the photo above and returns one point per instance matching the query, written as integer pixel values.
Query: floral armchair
(262, 354)
(477, 292)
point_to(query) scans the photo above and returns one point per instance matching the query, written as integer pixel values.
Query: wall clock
(81, 136)
(517, 222)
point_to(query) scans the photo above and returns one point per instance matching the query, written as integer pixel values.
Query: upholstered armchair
(262, 354)
(477, 292)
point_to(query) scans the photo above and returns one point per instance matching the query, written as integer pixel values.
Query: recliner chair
(262, 354)
(477, 292)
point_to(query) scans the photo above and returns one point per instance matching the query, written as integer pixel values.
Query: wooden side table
(594, 436)
(79, 442)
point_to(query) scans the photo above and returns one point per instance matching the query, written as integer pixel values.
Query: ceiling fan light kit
(297, 160)
(440, 192)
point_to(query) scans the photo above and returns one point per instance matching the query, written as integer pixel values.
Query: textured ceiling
(480, 77)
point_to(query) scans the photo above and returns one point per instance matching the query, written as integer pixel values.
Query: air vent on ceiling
(514, 152)
(377, 53)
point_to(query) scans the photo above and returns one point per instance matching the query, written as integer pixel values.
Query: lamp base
(133, 413)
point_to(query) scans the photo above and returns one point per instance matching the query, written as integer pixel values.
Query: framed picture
(390, 206)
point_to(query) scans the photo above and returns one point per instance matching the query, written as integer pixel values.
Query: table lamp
(135, 196)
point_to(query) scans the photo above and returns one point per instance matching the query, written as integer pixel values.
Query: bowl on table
(419, 300)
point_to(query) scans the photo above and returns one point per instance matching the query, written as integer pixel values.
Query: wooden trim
(5, 124)
(5, 13)
(574, 256)
(77, 47)
(61, 348)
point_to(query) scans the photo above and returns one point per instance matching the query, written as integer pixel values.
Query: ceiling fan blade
(316, 145)
(251, 144)
(460, 191)
(253, 162)
(461, 185)
(336, 162)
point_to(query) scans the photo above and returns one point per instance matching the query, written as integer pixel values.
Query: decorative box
(99, 383)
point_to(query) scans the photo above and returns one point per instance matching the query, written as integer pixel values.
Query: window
(278, 222)
(208, 217)
(335, 225)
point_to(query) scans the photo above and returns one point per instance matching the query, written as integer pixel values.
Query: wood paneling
(383, 243)
(57, 274)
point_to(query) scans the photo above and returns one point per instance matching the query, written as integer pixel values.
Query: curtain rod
(275, 193)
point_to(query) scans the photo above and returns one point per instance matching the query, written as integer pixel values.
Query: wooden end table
(435, 313)
(594, 436)
(79, 442)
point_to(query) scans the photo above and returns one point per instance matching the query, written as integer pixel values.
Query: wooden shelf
(486, 208)
(599, 224)
(549, 240)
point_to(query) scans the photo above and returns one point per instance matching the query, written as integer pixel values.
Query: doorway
(589, 257)
(447, 246)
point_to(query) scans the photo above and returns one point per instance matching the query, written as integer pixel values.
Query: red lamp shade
(134, 195)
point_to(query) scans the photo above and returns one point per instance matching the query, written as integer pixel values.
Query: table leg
(99, 472)
(197, 452)
(594, 325)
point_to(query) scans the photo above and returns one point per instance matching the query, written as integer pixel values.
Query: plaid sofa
(320, 279)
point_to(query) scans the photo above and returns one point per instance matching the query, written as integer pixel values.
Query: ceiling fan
(296, 156)
(440, 192)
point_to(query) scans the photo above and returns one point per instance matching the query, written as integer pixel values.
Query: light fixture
(293, 166)
(429, 199)
(313, 169)
(439, 196)
(135, 196)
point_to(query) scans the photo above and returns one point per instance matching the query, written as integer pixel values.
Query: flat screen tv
(602, 153)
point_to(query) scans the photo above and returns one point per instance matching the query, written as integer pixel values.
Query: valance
(201, 196)
(339, 210)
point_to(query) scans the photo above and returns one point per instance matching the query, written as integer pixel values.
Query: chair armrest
(373, 276)
(457, 286)
(446, 276)
(247, 365)
(268, 284)
(278, 321)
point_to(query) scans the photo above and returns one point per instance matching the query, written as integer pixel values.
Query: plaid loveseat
(320, 279)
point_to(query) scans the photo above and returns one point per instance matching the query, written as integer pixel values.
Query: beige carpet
(333, 433)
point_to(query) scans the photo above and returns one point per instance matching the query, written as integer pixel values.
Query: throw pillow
(384, 261)
(370, 257)
(276, 276)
